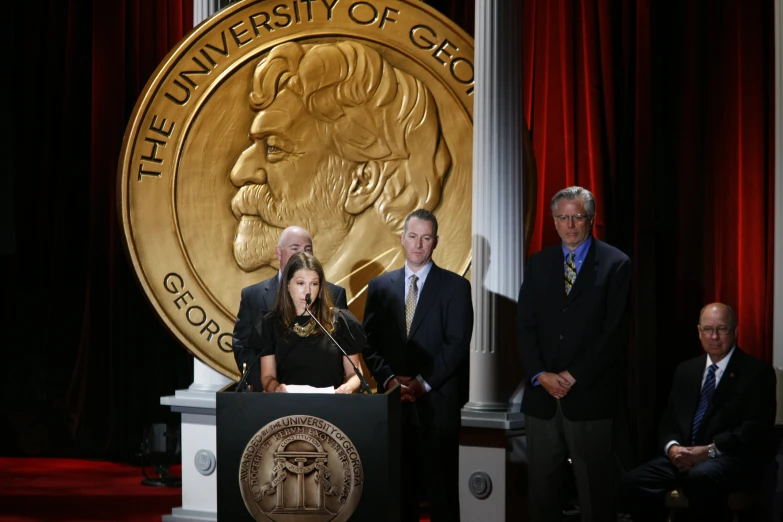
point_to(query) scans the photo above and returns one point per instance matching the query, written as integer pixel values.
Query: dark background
(662, 109)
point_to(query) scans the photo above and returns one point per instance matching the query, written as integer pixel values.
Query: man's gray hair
(574, 193)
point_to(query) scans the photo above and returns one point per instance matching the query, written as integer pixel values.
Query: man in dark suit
(419, 321)
(258, 298)
(572, 332)
(717, 431)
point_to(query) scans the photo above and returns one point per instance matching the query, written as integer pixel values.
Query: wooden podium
(293, 457)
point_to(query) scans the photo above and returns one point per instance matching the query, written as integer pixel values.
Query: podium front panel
(370, 424)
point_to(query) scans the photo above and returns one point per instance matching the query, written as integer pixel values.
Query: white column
(777, 298)
(498, 229)
(196, 406)
(491, 423)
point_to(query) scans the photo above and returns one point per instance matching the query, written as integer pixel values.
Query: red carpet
(69, 490)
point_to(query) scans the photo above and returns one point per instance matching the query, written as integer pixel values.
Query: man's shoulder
(448, 276)
(607, 251)
(335, 289)
(258, 287)
(386, 277)
(743, 358)
(546, 254)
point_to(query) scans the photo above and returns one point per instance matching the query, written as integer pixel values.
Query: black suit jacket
(740, 418)
(437, 347)
(584, 332)
(256, 300)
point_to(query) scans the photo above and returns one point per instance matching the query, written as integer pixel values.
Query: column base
(188, 515)
(492, 474)
(484, 416)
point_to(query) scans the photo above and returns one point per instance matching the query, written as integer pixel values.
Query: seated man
(716, 432)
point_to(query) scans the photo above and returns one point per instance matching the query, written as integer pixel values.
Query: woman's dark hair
(322, 306)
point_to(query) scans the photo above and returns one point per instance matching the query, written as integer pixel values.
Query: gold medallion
(300, 468)
(340, 116)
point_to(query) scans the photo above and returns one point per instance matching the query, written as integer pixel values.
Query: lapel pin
(731, 375)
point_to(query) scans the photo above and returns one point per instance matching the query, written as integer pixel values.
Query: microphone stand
(363, 386)
(241, 385)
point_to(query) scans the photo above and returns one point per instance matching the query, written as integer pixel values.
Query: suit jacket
(437, 347)
(584, 332)
(740, 418)
(256, 300)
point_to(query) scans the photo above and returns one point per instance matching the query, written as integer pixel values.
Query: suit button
(564, 309)
(561, 337)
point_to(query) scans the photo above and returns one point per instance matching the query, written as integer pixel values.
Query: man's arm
(458, 331)
(604, 351)
(243, 327)
(758, 415)
(374, 320)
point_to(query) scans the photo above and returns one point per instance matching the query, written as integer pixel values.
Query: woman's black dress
(313, 360)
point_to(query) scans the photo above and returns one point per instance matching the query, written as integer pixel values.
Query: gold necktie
(410, 303)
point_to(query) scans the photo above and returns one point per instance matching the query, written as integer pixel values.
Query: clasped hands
(410, 387)
(557, 384)
(685, 457)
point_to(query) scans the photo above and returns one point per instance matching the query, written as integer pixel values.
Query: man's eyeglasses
(576, 218)
(709, 330)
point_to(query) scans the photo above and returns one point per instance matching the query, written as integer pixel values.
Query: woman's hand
(280, 388)
(344, 388)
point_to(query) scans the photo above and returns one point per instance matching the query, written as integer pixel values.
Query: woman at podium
(294, 348)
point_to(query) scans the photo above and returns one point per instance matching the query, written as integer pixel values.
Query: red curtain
(662, 109)
(91, 359)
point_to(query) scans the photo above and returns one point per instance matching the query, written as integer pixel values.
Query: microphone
(363, 386)
(241, 386)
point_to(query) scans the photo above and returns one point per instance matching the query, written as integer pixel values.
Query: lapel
(428, 293)
(270, 291)
(397, 282)
(693, 393)
(586, 274)
(727, 381)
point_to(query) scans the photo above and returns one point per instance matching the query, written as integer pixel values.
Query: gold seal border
(168, 69)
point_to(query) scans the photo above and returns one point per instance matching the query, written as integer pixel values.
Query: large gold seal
(300, 468)
(340, 116)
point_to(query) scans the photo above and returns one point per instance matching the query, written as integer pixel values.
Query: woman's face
(304, 282)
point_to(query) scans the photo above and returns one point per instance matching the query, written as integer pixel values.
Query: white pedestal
(199, 445)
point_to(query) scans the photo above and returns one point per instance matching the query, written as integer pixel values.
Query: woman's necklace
(304, 330)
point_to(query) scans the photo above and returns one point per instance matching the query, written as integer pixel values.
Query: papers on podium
(303, 388)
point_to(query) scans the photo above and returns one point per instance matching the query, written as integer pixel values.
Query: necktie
(570, 272)
(410, 303)
(706, 394)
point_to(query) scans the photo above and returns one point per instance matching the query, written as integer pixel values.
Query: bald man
(716, 432)
(258, 298)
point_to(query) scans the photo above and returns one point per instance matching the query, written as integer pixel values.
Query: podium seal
(300, 468)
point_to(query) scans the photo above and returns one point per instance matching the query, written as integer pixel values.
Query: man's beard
(263, 217)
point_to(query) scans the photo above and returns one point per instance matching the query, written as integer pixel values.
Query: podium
(308, 457)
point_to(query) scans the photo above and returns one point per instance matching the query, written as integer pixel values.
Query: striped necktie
(706, 394)
(570, 272)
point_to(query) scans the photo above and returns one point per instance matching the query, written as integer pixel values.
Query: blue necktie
(706, 394)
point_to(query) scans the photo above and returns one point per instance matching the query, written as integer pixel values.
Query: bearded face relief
(286, 176)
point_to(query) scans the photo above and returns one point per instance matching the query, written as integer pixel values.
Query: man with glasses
(573, 330)
(716, 434)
